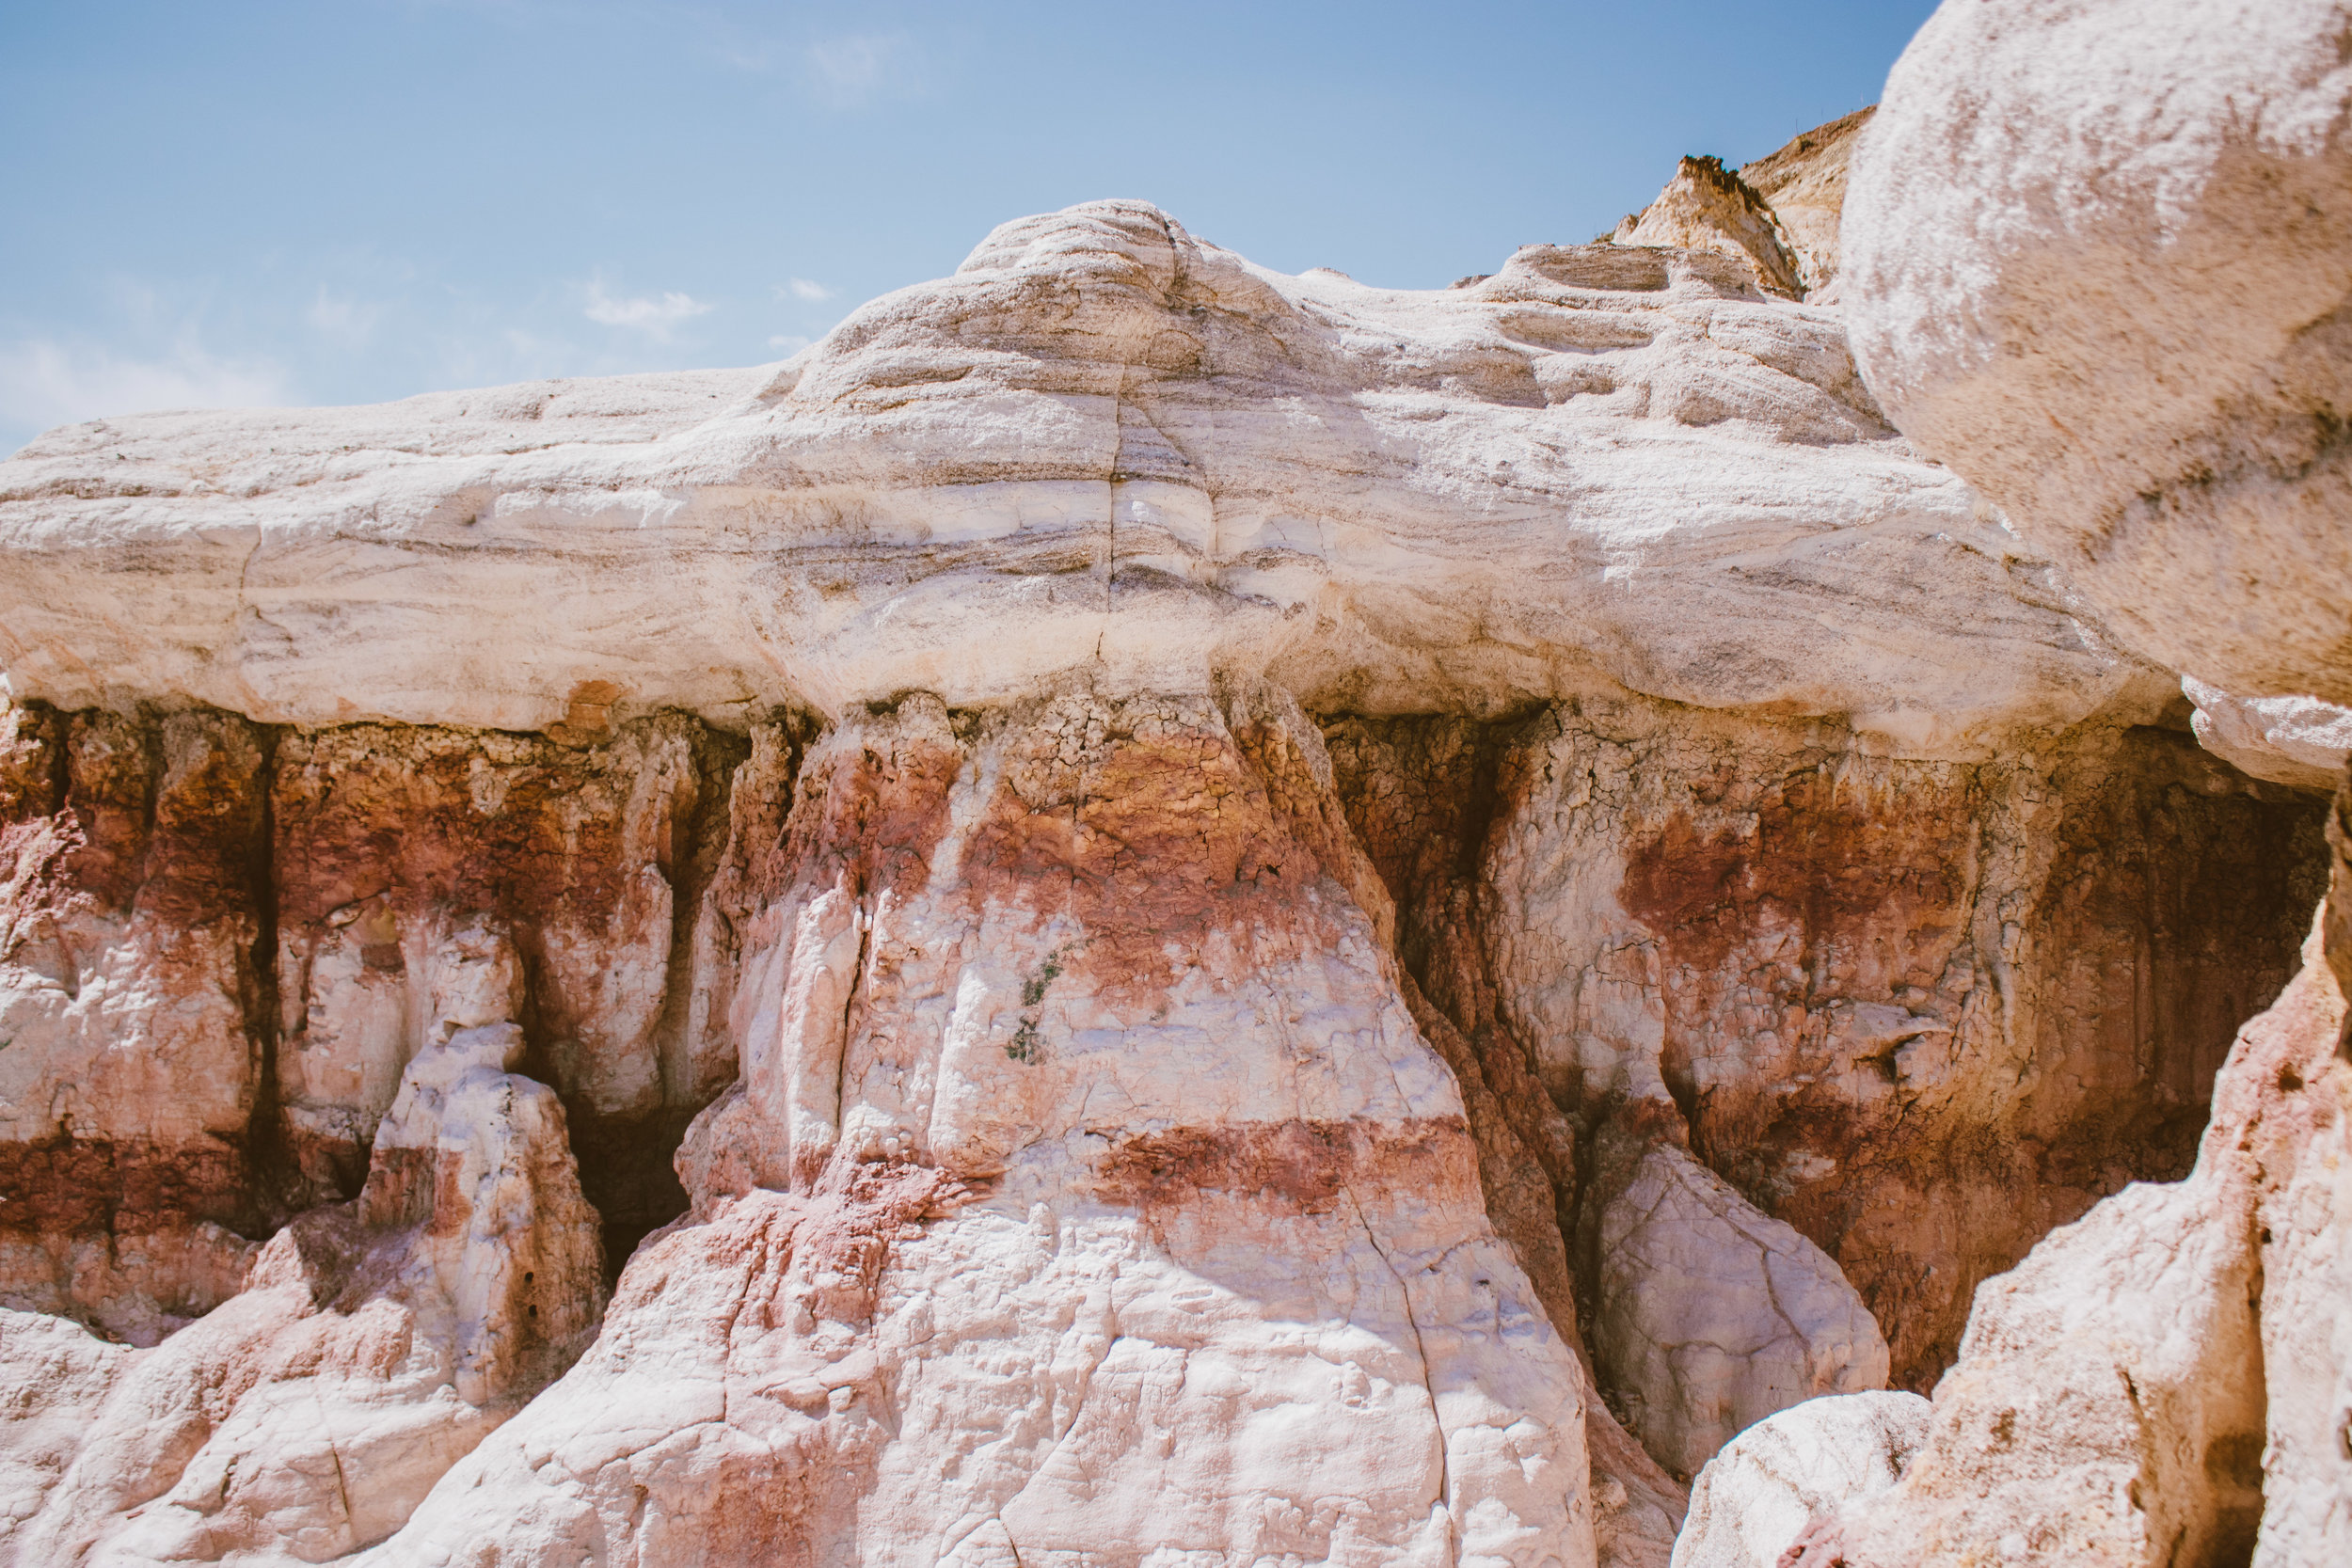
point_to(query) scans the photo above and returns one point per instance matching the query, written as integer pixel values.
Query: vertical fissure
(271, 1164)
(626, 1161)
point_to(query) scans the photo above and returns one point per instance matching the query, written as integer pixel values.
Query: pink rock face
(1058, 1199)
(2165, 1380)
(374, 1344)
(1921, 1013)
(137, 864)
(1088, 1038)
(608, 858)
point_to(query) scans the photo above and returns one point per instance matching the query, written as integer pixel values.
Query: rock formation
(2165, 1378)
(2097, 259)
(1712, 1316)
(2292, 741)
(1781, 1482)
(2169, 1379)
(1805, 184)
(1708, 207)
(1778, 215)
(375, 1342)
(1139, 911)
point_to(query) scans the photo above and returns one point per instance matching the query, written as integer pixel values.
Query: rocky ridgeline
(1147, 911)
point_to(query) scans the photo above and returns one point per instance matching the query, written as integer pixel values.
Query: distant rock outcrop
(1805, 184)
(1779, 215)
(1708, 207)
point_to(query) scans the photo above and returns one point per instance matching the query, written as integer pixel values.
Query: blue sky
(345, 201)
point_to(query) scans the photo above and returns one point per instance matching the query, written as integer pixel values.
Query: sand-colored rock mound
(1707, 207)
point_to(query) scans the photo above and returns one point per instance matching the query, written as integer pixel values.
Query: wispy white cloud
(803, 289)
(44, 382)
(347, 321)
(856, 68)
(789, 343)
(654, 317)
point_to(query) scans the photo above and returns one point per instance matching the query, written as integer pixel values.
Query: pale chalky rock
(606, 853)
(2291, 741)
(142, 853)
(1894, 995)
(374, 1344)
(1056, 1207)
(2097, 258)
(1103, 445)
(1759, 1494)
(1710, 1315)
(2097, 255)
(55, 1375)
(2304, 1223)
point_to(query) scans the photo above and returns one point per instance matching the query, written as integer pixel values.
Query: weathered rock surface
(606, 856)
(2117, 307)
(1103, 444)
(1707, 207)
(55, 1377)
(128, 995)
(1805, 184)
(375, 1342)
(1714, 1316)
(1214, 1274)
(225, 943)
(1102, 894)
(1778, 216)
(1923, 1012)
(2114, 1402)
(1784, 1476)
(2098, 257)
(2292, 741)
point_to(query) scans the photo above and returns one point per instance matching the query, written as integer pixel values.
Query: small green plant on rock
(1025, 1046)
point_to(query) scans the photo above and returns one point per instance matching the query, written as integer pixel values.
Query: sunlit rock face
(1805, 184)
(1087, 1175)
(1103, 444)
(1140, 910)
(2110, 289)
(2098, 258)
(1774, 1492)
